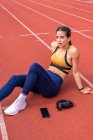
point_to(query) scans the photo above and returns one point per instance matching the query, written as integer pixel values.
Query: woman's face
(62, 39)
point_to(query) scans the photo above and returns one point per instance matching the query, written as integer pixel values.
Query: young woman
(48, 83)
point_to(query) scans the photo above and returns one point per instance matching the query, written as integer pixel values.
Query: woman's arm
(75, 59)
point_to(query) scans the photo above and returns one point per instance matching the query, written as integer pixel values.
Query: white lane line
(32, 34)
(91, 85)
(23, 25)
(85, 79)
(70, 6)
(61, 11)
(39, 40)
(90, 2)
(82, 31)
(91, 38)
(25, 35)
(77, 3)
(3, 126)
(87, 1)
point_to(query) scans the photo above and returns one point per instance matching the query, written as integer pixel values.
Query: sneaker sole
(11, 114)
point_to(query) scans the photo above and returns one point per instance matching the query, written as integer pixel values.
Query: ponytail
(70, 43)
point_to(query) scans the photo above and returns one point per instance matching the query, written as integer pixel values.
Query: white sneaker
(15, 107)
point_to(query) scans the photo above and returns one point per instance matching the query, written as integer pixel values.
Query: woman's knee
(13, 78)
(34, 67)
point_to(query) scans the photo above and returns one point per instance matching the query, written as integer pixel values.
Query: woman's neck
(64, 47)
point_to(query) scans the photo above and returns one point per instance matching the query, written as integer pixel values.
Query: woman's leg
(14, 81)
(36, 77)
(39, 77)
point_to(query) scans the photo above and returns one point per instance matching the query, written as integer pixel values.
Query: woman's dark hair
(67, 30)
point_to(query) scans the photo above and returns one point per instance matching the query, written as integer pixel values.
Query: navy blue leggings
(38, 80)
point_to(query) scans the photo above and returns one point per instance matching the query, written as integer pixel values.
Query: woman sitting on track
(47, 83)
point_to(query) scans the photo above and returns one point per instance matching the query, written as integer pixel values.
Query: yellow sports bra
(60, 63)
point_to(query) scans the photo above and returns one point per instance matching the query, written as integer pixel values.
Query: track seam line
(62, 11)
(70, 6)
(23, 25)
(79, 4)
(26, 35)
(32, 34)
(82, 31)
(91, 85)
(3, 126)
(87, 1)
(53, 19)
(2, 123)
(85, 79)
(23, 35)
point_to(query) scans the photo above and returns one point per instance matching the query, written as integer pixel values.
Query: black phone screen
(44, 112)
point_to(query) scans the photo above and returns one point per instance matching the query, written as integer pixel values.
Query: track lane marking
(32, 34)
(26, 35)
(70, 6)
(62, 11)
(82, 31)
(23, 25)
(53, 19)
(87, 1)
(38, 38)
(86, 80)
(3, 126)
(78, 3)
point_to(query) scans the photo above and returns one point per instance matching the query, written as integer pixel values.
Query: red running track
(25, 50)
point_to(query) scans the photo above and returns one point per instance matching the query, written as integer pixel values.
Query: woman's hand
(86, 90)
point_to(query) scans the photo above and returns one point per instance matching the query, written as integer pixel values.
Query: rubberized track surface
(27, 28)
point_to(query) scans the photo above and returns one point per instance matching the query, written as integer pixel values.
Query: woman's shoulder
(54, 44)
(74, 50)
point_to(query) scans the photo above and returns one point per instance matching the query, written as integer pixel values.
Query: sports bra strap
(66, 59)
(55, 50)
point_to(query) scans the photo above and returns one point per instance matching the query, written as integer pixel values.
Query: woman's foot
(15, 107)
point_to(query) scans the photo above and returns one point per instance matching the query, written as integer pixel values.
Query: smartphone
(44, 112)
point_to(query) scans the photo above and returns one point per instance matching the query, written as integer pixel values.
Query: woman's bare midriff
(57, 71)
